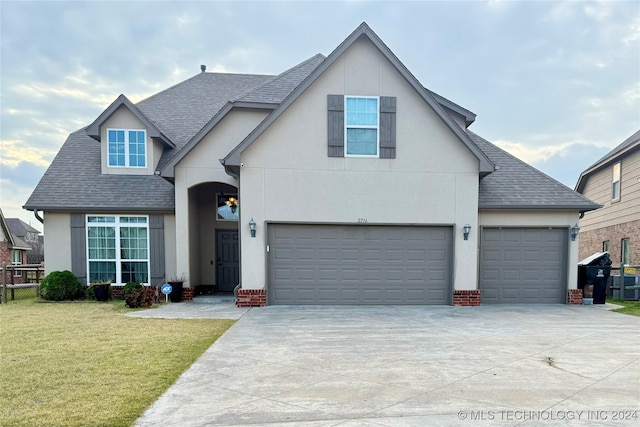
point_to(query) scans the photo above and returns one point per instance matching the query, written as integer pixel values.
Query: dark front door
(228, 260)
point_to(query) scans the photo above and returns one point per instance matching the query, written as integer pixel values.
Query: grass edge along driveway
(87, 364)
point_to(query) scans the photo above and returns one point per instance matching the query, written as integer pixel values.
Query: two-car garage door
(359, 264)
(523, 265)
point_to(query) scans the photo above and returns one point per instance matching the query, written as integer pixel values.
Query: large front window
(361, 126)
(118, 248)
(126, 148)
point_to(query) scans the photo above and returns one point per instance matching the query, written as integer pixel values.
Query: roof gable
(485, 165)
(628, 144)
(122, 101)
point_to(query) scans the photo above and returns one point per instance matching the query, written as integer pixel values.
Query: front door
(228, 260)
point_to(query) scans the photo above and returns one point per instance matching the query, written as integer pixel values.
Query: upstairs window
(361, 130)
(126, 148)
(615, 183)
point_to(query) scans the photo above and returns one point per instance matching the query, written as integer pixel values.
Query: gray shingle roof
(608, 158)
(19, 227)
(517, 185)
(74, 182)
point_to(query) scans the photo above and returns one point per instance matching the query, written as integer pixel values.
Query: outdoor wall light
(252, 227)
(466, 230)
(574, 232)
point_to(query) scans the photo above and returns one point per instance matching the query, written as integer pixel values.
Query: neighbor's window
(605, 246)
(126, 148)
(615, 184)
(361, 126)
(16, 259)
(625, 251)
(118, 249)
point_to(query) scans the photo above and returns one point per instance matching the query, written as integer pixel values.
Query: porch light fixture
(232, 202)
(252, 227)
(574, 232)
(466, 230)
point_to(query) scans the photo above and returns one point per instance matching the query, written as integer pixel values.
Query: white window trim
(118, 260)
(16, 273)
(126, 149)
(346, 140)
(618, 180)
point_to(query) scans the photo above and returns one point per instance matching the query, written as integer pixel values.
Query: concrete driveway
(413, 366)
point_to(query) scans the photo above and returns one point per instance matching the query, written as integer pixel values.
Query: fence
(21, 281)
(627, 287)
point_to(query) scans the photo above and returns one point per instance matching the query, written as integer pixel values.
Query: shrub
(139, 297)
(129, 288)
(61, 286)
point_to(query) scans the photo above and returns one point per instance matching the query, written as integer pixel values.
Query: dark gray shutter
(79, 247)
(387, 127)
(335, 119)
(156, 247)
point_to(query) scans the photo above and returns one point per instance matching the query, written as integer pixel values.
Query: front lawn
(87, 364)
(629, 307)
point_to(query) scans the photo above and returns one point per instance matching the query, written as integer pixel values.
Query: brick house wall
(591, 241)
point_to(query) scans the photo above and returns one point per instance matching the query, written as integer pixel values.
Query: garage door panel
(523, 265)
(359, 264)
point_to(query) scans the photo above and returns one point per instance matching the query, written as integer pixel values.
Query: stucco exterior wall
(124, 119)
(170, 246)
(201, 165)
(534, 218)
(288, 177)
(57, 245)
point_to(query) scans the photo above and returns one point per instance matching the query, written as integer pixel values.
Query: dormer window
(127, 148)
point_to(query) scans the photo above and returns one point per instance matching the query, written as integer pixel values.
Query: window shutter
(387, 127)
(156, 245)
(79, 247)
(335, 130)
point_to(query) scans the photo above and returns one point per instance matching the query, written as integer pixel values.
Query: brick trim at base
(575, 297)
(466, 298)
(187, 294)
(251, 298)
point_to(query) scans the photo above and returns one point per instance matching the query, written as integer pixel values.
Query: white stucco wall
(57, 244)
(534, 218)
(170, 246)
(287, 175)
(202, 165)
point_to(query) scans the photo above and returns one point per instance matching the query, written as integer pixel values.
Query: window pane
(133, 243)
(102, 271)
(626, 246)
(101, 242)
(136, 148)
(605, 246)
(362, 141)
(362, 112)
(615, 190)
(135, 272)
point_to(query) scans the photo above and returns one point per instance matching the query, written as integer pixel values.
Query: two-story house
(13, 251)
(29, 235)
(342, 180)
(614, 182)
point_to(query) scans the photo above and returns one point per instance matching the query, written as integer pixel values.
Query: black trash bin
(595, 270)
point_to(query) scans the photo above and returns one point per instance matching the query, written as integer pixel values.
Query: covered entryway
(359, 264)
(523, 265)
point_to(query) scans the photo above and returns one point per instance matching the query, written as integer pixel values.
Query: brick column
(466, 298)
(575, 297)
(251, 298)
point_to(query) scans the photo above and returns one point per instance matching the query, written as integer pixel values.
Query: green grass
(629, 307)
(87, 364)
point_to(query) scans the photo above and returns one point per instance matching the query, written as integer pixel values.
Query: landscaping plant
(61, 286)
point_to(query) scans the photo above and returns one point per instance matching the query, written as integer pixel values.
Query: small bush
(61, 286)
(129, 288)
(139, 297)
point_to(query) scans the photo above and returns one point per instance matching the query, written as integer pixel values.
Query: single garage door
(523, 265)
(359, 264)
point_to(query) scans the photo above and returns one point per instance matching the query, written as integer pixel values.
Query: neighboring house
(360, 185)
(614, 182)
(13, 251)
(31, 236)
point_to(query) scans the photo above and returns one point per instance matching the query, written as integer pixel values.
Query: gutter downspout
(38, 217)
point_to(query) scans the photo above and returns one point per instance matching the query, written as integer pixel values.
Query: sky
(556, 83)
